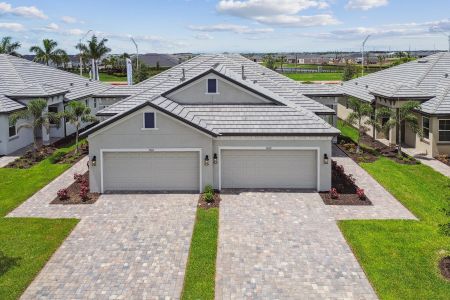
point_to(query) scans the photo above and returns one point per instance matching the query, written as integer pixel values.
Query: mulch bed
(74, 197)
(371, 150)
(345, 187)
(31, 157)
(206, 205)
(445, 159)
(444, 266)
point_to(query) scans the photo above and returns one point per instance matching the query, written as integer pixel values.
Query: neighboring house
(425, 80)
(215, 119)
(74, 61)
(157, 59)
(22, 81)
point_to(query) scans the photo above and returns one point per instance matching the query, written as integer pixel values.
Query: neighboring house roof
(419, 79)
(288, 113)
(255, 74)
(164, 60)
(8, 105)
(38, 90)
(20, 77)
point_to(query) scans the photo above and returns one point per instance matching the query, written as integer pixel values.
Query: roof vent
(356, 82)
(367, 86)
(446, 75)
(243, 72)
(255, 81)
(71, 84)
(422, 61)
(183, 74)
(87, 83)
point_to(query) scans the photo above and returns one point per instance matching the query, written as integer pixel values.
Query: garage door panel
(151, 171)
(269, 169)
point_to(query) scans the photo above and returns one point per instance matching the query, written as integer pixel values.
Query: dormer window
(212, 86)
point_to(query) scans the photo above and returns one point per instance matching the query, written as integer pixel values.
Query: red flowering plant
(334, 194)
(78, 177)
(361, 194)
(63, 194)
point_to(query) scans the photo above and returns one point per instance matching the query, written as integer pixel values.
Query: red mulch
(206, 205)
(74, 197)
(444, 266)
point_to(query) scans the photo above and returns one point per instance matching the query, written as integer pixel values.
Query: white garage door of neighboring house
(296, 169)
(151, 171)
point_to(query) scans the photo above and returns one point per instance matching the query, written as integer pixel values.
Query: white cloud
(224, 27)
(52, 27)
(366, 4)
(70, 20)
(22, 11)
(76, 31)
(12, 26)
(278, 12)
(203, 36)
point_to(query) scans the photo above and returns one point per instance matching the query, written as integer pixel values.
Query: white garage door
(269, 169)
(151, 171)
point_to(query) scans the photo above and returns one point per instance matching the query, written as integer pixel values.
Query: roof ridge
(446, 91)
(430, 67)
(13, 67)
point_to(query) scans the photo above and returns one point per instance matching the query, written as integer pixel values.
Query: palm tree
(49, 53)
(381, 59)
(282, 60)
(37, 117)
(404, 114)
(360, 110)
(94, 50)
(8, 47)
(77, 113)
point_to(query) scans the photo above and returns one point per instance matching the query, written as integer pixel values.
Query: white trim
(143, 150)
(270, 148)
(444, 130)
(284, 138)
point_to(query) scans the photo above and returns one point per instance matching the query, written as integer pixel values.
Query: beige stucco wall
(228, 93)
(171, 133)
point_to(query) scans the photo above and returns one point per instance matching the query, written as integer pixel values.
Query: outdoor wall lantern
(206, 160)
(325, 159)
(215, 158)
(94, 161)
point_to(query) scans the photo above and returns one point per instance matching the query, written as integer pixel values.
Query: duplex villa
(215, 119)
(425, 80)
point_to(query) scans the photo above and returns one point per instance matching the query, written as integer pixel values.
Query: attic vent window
(212, 86)
(422, 61)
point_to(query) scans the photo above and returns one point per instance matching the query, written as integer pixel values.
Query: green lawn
(26, 244)
(199, 281)
(109, 77)
(401, 257)
(347, 130)
(314, 76)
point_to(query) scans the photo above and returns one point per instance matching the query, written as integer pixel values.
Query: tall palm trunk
(76, 139)
(358, 148)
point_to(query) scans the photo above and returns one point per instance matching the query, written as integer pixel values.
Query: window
(95, 103)
(149, 120)
(53, 109)
(444, 130)
(426, 127)
(86, 102)
(212, 86)
(12, 129)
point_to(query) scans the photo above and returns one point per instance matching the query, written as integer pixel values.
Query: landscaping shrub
(209, 189)
(209, 197)
(84, 190)
(63, 194)
(334, 194)
(78, 177)
(361, 194)
(57, 157)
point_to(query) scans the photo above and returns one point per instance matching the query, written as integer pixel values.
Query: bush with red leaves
(84, 190)
(334, 194)
(63, 194)
(78, 177)
(361, 194)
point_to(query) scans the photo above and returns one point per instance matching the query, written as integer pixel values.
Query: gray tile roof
(20, 77)
(255, 74)
(423, 78)
(8, 105)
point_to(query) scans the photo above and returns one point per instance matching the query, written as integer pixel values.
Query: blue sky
(231, 25)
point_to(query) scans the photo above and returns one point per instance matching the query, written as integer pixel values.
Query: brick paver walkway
(284, 246)
(429, 161)
(125, 246)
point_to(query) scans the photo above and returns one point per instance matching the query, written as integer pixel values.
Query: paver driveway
(125, 247)
(284, 246)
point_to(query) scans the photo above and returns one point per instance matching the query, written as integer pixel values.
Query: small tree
(7, 46)
(36, 117)
(77, 113)
(350, 72)
(269, 61)
(360, 110)
(282, 60)
(405, 114)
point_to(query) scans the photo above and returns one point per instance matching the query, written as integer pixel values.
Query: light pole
(445, 33)
(137, 54)
(362, 56)
(81, 57)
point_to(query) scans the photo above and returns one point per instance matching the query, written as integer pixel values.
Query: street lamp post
(434, 28)
(137, 54)
(81, 57)
(362, 55)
